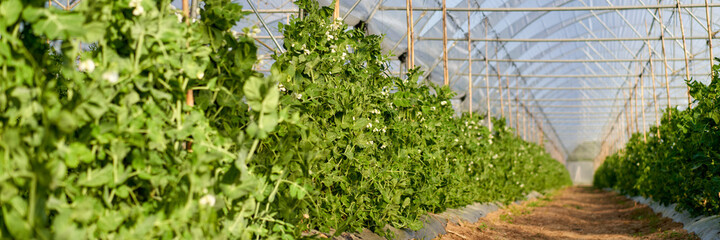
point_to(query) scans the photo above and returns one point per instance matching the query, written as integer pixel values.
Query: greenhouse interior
(359, 119)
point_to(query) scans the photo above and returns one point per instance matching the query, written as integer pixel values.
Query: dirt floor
(572, 213)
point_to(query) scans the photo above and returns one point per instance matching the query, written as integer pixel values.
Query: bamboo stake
(709, 30)
(412, 36)
(446, 80)
(411, 51)
(634, 107)
(336, 11)
(487, 80)
(665, 67)
(497, 68)
(470, 87)
(655, 103)
(687, 64)
(642, 106)
(517, 106)
(509, 101)
(190, 99)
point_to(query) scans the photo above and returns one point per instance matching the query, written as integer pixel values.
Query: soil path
(572, 213)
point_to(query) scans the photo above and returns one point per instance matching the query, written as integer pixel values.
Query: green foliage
(679, 166)
(100, 144)
(386, 150)
(100, 152)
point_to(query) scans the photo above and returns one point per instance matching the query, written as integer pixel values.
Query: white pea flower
(491, 166)
(477, 179)
(383, 146)
(306, 216)
(87, 66)
(456, 140)
(433, 108)
(371, 142)
(443, 103)
(207, 200)
(369, 125)
(256, 30)
(179, 17)
(298, 96)
(200, 75)
(307, 52)
(111, 76)
(139, 10)
(522, 185)
(490, 141)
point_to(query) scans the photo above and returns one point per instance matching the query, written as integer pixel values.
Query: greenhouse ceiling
(577, 70)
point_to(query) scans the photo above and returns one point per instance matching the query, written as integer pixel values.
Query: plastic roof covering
(569, 116)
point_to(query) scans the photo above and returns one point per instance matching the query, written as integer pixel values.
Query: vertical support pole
(509, 101)
(687, 64)
(652, 75)
(410, 35)
(642, 106)
(336, 11)
(633, 95)
(470, 87)
(446, 80)
(497, 69)
(525, 126)
(665, 67)
(190, 99)
(487, 80)
(186, 11)
(517, 106)
(709, 30)
(542, 135)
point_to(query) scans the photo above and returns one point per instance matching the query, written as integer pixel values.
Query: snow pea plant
(100, 143)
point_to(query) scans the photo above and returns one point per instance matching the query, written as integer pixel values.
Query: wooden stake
(665, 67)
(509, 101)
(633, 95)
(709, 30)
(517, 106)
(470, 79)
(497, 69)
(642, 106)
(411, 52)
(487, 80)
(687, 64)
(336, 11)
(652, 75)
(446, 80)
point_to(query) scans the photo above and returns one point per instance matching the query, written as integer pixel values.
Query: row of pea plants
(678, 165)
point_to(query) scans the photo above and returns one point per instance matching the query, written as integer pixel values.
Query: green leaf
(96, 177)
(10, 11)
(16, 225)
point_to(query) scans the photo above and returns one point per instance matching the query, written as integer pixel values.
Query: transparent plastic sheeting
(577, 94)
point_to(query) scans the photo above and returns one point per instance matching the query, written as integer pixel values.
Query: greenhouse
(359, 119)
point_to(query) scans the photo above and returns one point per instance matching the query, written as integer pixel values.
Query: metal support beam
(548, 9)
(561, 39)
